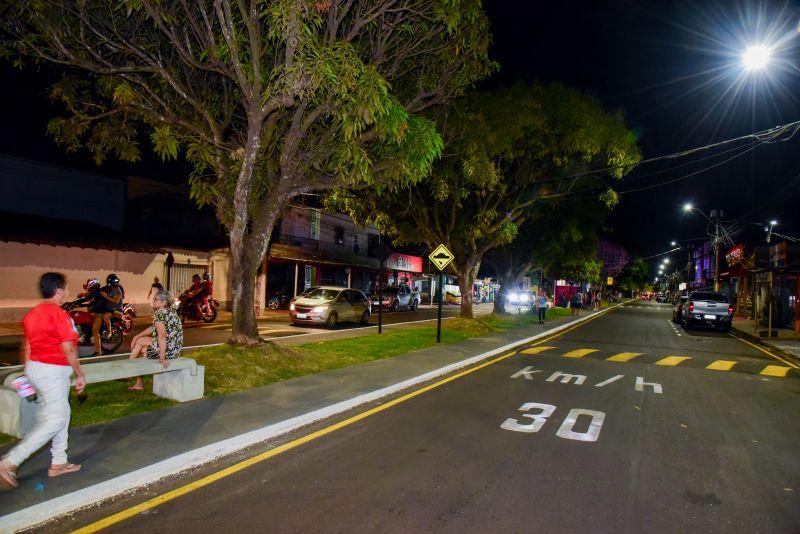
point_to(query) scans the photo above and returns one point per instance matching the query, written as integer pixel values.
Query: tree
(507, 153)
(614, 258)
(635, 276)
(267, 99)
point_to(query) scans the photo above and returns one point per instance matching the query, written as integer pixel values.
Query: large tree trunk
(245, 263)
(466, 278)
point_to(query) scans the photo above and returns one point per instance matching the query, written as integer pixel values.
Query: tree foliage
(509, 154)
(267, 99)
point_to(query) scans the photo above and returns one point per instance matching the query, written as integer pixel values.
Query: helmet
(112, 280)
(206, 276)
(91, 283)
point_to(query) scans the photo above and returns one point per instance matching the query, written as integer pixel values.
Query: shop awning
(323, 257)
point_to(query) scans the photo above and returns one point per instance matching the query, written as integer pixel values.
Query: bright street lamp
(756, 57)
(771, 224)
(688, 207)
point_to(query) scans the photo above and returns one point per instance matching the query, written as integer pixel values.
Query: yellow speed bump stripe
(579, 353)
(672, 360)
(624, 357)
(535, 350)
(775, 370)
(721, 365)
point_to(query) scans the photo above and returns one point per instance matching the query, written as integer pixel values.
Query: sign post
(441, 257)
(383, 251)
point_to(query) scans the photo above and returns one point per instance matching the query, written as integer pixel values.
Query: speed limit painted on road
(566, 430)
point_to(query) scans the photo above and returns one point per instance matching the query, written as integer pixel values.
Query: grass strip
(230, 368)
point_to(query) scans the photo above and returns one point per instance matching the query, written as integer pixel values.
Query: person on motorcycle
(96, 304)
(113, 295)
(191, 297)
(206, 292)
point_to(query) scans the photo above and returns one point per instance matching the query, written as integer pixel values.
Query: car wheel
(685, 324)
(365, 317)
(333, 319)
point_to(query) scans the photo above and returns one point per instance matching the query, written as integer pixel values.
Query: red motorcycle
(83, 324)
(187, 307)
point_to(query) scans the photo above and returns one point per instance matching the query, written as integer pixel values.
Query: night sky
(673, 68)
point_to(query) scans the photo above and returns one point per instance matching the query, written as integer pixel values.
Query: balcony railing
(307, 243)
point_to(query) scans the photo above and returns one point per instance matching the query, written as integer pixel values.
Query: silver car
(329, 305)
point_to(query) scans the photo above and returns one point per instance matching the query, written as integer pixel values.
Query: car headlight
(523, 297)
(512, 297)
(319, 309)
(291, 306)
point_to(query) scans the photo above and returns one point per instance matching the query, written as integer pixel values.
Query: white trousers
(52, 384)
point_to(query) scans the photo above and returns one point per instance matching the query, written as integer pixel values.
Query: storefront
(401, 269)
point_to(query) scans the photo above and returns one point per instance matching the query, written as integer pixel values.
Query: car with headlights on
(520, 297)
(330, 305)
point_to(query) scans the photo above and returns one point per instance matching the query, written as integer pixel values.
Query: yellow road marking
(721, 365)
(765, 351)
(205, 481)
(624, 357)
(578, 353)
(535, 350)
(217, 326)
(672, 360)
(775, 370)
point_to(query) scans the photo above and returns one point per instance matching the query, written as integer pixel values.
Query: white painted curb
(46, 511)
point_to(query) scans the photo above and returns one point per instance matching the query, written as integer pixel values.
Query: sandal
(7, 474)
(62, 469)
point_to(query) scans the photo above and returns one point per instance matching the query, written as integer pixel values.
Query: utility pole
(716, 214)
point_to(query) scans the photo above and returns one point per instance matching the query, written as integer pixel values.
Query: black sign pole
(439, 320)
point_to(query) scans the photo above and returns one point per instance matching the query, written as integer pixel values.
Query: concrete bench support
(182, 381)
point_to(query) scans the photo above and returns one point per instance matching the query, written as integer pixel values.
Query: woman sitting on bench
(164, 340)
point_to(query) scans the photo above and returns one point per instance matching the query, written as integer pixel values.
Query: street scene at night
(415, 266)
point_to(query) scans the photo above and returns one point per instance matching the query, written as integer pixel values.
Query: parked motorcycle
(83, 324)
(187, 309)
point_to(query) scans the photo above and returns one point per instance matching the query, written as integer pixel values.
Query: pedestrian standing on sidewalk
(577, 303)
(50, 356)
(541, 306)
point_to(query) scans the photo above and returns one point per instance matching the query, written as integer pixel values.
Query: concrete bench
(182, 381)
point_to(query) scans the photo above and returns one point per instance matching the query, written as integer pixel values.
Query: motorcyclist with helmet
(206, 291)
(113, 294)
(95, 302)
(199, 293)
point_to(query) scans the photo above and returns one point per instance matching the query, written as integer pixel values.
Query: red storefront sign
(404, 262)
(735, 255)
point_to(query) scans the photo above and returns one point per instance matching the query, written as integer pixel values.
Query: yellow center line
(624, 356)
(721, 365)
(210, 479)
(672, 360)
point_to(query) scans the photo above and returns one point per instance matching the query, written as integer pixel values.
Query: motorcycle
(83, 324)
(187, 309)
(128, 315)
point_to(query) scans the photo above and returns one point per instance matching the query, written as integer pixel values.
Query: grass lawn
(230, 369)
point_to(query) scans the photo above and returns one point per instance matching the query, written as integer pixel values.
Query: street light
(756, 57)
(772, 223)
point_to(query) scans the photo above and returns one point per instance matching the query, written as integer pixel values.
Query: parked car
(677, 307)
(396, 297)
(661, 297)
(330, 305)
(707, 308)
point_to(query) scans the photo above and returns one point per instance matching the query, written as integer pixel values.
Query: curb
(761, 343)
(92, 495)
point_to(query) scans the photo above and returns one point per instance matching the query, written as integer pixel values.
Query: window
(338, 235)
(314, 224)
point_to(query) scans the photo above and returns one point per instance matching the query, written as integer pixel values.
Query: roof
(326, 257)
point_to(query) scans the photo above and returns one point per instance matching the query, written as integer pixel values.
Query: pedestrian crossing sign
(441, 257)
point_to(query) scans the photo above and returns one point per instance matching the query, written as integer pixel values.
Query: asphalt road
(197, 333)
(618, 425)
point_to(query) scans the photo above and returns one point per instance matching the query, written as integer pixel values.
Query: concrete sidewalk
(784, 344)
(130, 452)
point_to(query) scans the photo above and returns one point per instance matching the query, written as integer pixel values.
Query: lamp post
(714, 219)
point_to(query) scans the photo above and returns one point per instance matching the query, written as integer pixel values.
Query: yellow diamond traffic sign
(441, 257)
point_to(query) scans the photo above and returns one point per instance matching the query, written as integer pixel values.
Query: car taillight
(691, 306)
(730, 309)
